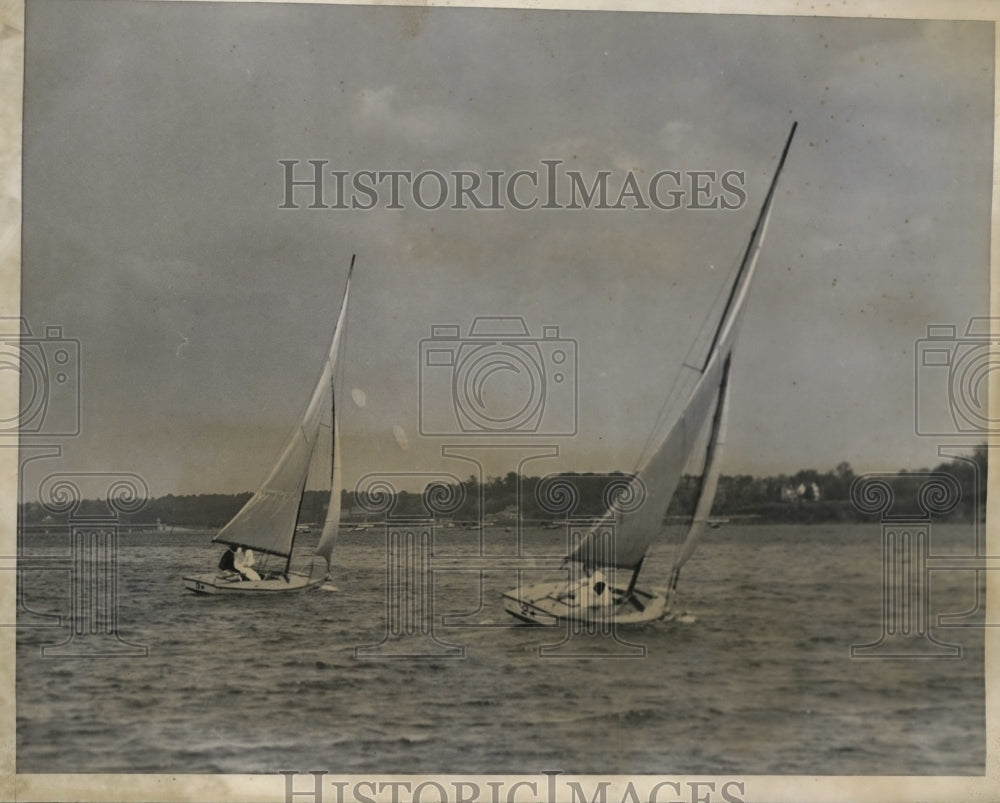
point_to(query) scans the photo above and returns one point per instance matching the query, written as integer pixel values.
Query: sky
(153, 233)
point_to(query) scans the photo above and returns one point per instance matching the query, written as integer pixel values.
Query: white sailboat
(269, 521)
(617, 545)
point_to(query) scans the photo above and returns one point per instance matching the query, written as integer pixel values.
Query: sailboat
(597, 590)
(269, 522)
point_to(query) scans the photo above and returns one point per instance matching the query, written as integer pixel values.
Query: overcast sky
(153, 233)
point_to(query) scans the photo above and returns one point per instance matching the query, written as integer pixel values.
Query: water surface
(761, 683)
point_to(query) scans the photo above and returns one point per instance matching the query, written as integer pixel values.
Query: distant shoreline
(806, 497)
(806, 514)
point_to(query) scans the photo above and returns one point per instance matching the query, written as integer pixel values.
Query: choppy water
(762, 682)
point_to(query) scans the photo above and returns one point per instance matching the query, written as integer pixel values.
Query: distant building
(800, 492)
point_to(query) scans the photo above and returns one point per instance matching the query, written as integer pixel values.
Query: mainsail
(701, 389)
(267, 521)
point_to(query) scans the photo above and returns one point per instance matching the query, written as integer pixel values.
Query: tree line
(807, 496)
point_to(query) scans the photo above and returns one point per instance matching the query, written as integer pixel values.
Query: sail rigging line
(699, 397)
(267, 522)
(332, 358)
(334, 458)
(738, 288)
(690, 405)
(332, 427)
(338, 386)
(688, 364)
(338, 347)
(331, 524)
(732, 270)
(753, 246)
(708, 482)
(744, 271)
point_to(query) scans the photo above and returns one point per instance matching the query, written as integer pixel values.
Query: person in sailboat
(591, 591)
(243, 562)
(227, 561)
(598, 590)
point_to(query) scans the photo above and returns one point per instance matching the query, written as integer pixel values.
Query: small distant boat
(617, 545)
(269, 521)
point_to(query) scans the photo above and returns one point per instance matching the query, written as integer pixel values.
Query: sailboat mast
(748, 254)
(635, 576)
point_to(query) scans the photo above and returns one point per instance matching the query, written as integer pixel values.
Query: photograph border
(272, 788)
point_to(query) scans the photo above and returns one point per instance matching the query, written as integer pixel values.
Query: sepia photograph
(468, 404)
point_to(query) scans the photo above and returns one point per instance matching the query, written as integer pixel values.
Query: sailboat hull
(551, 604)
(231, 585)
